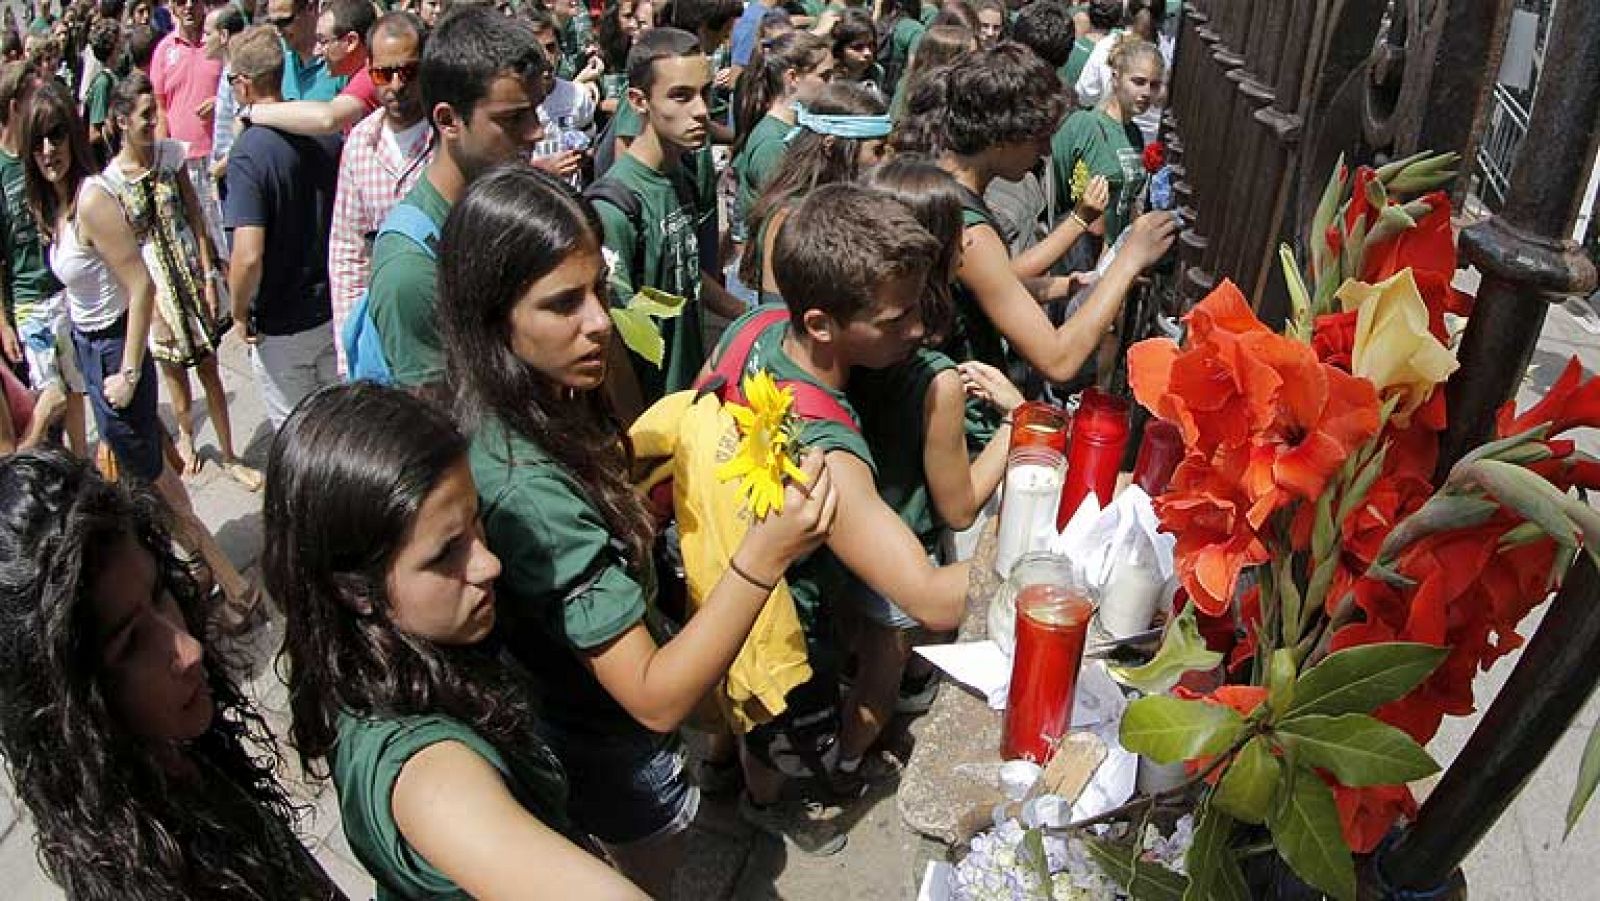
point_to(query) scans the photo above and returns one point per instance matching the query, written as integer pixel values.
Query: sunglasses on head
(282, 23)
(383, 75)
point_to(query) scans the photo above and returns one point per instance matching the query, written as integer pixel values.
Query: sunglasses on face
(55, 134)
(383, 75)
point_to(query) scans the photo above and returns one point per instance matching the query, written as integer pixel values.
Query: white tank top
(95, 299)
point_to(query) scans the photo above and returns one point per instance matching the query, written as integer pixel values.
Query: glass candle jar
(1094, 456)
(1054, 607)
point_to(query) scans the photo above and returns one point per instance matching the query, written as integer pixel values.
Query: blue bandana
(838, 126)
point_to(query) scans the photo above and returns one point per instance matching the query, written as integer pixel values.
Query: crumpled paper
(1094, 538)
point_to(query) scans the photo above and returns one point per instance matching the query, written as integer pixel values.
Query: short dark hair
(399, 22)
(843, 242)
(1045, 27)
(469, 48)
(853, 26)
(125, 96)
(352, 15)
(540, 19)
(1105, 15)
(142, 40)
(103, 38)
(1004, 94)
(230, 19)
(14, 84)
(657, 44)
(694, 16)
(111, 9)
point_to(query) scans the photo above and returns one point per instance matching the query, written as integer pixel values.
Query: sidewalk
(1523, 857)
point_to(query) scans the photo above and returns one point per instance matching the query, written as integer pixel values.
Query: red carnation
(1155, 156)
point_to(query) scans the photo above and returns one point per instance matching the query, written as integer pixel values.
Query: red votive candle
(1053, 613)
(1094, 456)
(1159, 455)
(1036, 424)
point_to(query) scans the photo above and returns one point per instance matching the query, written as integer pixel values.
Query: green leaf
(1213, 870)
(1388, 172)
(1299, 298)
(1359, 680)
(1182, 649)
(1141, 879)
(655, 302)
(1246, 790)
(1169, 730)
(640, 333)
(1306, 833)
(1033, 852)
(1280, 681)
(1588, 777)
(1441, 513)
(1357, 749)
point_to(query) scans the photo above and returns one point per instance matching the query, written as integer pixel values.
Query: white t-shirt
(393, 140)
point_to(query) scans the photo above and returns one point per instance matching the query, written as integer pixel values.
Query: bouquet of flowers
(1370, 589)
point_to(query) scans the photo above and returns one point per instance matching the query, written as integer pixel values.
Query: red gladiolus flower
(1365, 814)
(1205, 510)
(1429, 249)
(1333, 337)
(1571, 402)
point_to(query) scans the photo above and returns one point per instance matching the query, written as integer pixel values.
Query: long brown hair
(50, 108)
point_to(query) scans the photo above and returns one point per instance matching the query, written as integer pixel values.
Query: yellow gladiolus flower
(767, 439)
(1080, 180)
(1394, 348)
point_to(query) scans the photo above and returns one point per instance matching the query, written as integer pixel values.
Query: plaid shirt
(372, 179)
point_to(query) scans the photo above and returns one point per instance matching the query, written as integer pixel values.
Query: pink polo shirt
(183, 79)
(362, 88)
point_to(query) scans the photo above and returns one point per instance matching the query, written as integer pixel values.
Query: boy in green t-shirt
(104, 41)
(852, 265)
(483, 78)
(658, 244)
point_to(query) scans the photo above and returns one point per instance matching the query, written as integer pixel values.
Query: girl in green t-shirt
(793, 69)
(528, 338)
(1105, 140)
(813, 159)
(374, 546)
(147, 773)
(855, 49)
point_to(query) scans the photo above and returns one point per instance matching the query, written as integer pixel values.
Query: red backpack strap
(812, 402)
(730, 366)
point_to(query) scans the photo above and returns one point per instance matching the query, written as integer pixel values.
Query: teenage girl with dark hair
(110, 300)
(813, 158)
(147, 773)
(855, 50)
(374, 544)
(939, 46)
(793, 69)
(523, 312)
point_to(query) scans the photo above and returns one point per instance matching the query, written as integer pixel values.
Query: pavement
(1523, 857)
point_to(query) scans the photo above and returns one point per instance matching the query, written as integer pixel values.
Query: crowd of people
(424, 221)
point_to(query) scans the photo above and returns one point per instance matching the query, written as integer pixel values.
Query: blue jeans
(624, 788)
(133, 432)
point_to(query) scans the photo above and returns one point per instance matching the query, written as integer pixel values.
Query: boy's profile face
(890, 330)
(675, 106)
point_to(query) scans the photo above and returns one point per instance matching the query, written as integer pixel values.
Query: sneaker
(877, 768)
(916, 695)
(799, 825)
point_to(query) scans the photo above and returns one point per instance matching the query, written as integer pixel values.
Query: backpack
(628, 203)
(363, 348)
(678, 443)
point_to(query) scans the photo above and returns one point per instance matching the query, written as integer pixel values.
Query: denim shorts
(625, 788)
(47, 341)
(133, 432)
(878, 609)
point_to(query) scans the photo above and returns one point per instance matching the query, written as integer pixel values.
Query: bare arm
(455, 810)
(105, 229)
(717, 299)
(244, 270)
(1058, 353)
(310, 117)
(876, 545)
(659, 686)
(959, 488)
(1038, 259)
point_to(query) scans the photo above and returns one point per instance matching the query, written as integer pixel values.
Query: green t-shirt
(367, 760)
(97, 101)
(401, 296)
(1073, 67)
(973, 336)
(810, 578)
(757, 159)
(630, 126)
(1109, 148)
(930, 11)
(573, 37)
(28, 275)
(893, 403)
(565, 586)
(905, 37)
(670, 260)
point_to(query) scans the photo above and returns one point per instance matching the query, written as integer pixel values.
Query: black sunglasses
(55, 134)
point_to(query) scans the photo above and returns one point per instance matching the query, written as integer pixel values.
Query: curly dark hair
(112, 821)
(810, 161)
(346, 476)
(514, 226)
(1004, 94)
(935, 198)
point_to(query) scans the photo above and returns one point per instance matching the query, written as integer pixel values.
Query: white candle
(1027, 513)
(1130, 599)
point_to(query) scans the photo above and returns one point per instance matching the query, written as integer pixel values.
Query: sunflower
(768, 433)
